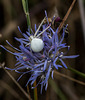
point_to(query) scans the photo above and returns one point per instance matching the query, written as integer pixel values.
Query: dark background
(11, 16)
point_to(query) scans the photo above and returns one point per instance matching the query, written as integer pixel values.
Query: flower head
(40, 64)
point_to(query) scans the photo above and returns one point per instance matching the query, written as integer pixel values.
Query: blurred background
(11, 16)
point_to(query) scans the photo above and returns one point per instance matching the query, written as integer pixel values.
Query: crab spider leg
(39, 26)
(46, 28)
(27, 45)
(43, 31)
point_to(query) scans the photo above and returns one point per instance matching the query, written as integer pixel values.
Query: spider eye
(37, 44)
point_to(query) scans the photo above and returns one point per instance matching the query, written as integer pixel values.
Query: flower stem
(35, 92)
(28, 91)
(26, 10)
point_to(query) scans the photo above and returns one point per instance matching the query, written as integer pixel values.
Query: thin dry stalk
(17, 84)
(82, 12)
(8, 88)
(68, 77)
(66, 16)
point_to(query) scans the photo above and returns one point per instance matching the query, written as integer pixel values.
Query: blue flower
(40, 64)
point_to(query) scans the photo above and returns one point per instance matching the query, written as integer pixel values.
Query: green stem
(77, 72)
(26, 10)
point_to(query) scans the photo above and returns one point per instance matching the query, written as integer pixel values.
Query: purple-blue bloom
(40, 64)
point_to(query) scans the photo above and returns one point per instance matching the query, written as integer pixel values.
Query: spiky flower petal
(40, 64)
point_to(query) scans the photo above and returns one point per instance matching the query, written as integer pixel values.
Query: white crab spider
(36, 43)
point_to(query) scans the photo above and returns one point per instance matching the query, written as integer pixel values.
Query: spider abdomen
(37, 44)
